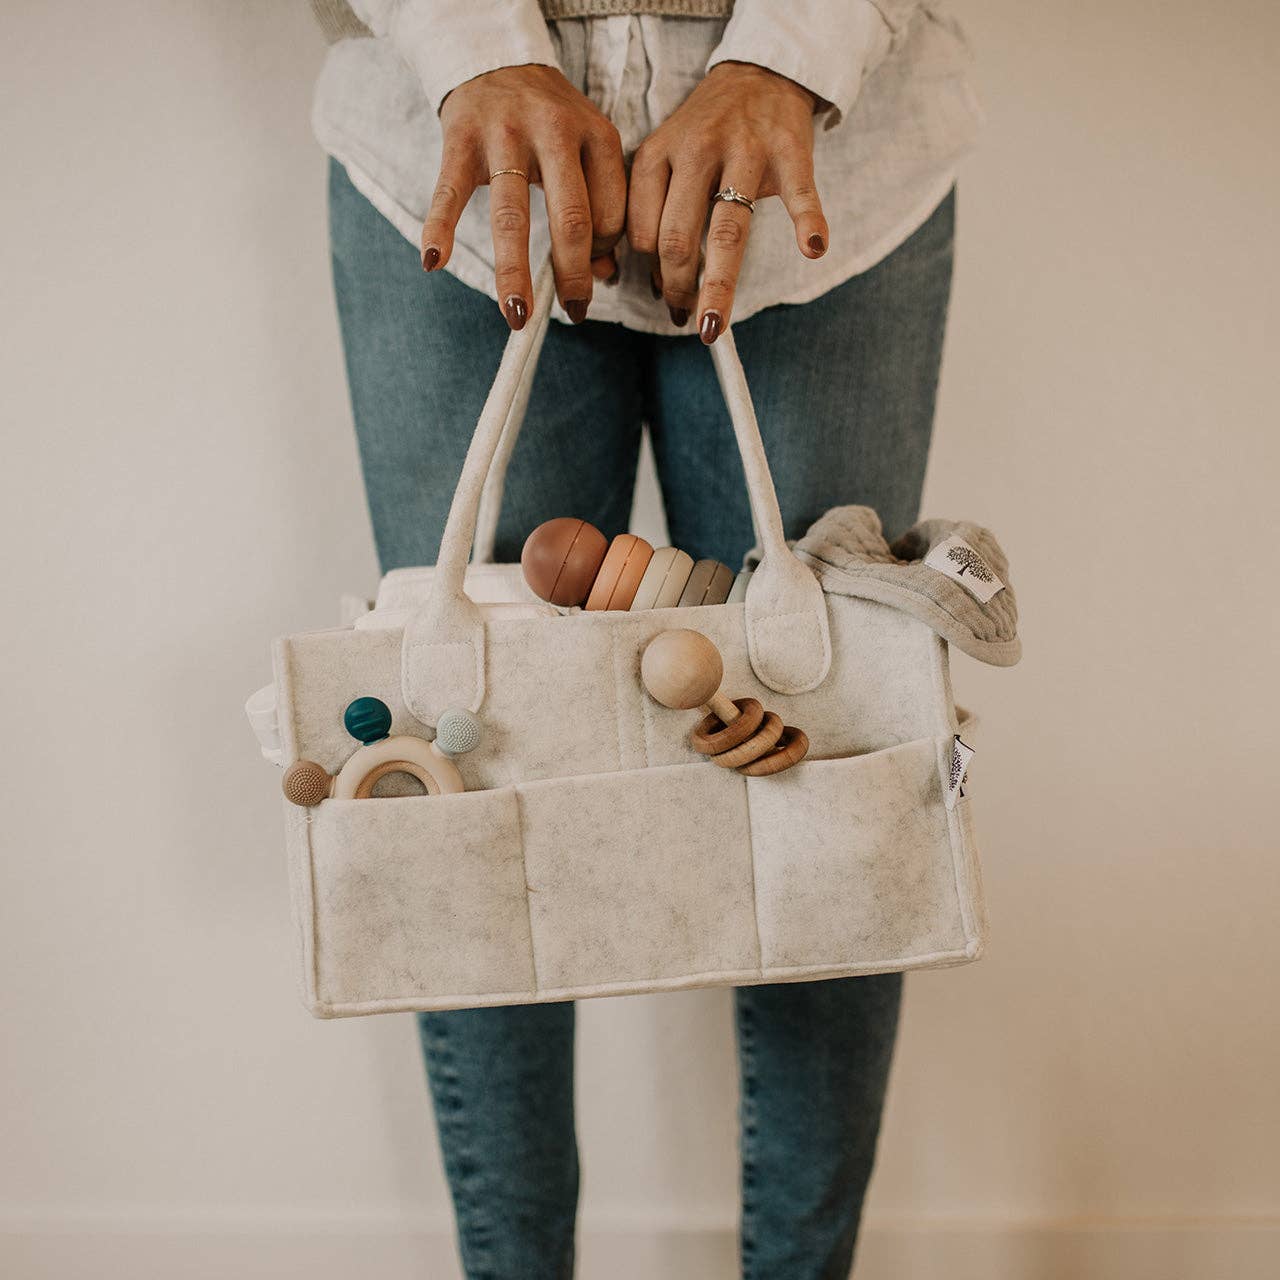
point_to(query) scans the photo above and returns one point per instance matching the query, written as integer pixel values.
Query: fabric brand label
(961, 754)
(958, 560)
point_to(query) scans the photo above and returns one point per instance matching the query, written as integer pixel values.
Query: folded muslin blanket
(923, 573)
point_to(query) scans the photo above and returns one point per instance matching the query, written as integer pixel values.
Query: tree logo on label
(968, 559)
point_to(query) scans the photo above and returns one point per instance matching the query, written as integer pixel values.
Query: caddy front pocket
(640, 877)
(859, 864)
(415, 898)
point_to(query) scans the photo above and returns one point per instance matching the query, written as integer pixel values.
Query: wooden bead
(682, 669)
(561, 558)
(713, 736)
(792, 747)
(305, 783)
(620, 574)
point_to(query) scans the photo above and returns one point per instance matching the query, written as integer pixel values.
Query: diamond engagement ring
(735, 197)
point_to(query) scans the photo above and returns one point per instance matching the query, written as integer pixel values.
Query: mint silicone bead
(457, 732)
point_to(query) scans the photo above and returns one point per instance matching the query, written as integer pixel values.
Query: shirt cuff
(828, 48)
(448, 42)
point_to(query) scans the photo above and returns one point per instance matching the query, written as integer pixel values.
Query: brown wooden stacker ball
(561, 558)
(683, 669)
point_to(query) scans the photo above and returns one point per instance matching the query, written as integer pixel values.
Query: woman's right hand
(531, 118)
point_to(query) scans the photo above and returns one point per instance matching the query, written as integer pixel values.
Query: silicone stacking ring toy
(620, 575)
(683, 669)
(664, 579)
(561, 558)
(570, 563)
(368, 720)
(709, 583)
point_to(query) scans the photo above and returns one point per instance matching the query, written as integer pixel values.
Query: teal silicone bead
(368, 719)
(457, 732)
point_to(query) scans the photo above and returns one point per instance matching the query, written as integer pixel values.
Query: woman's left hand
(743, 127)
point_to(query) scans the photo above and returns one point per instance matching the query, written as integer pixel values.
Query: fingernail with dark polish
(577, 309)
(655, 287)
(615, 277)
(817, 243)
(709, 329)
(679, 316)
(430, 258)
(517, 310)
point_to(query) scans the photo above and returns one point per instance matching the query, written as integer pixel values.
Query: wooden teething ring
(792, 747)
(759, 744)
(713, 736)
(364, 788)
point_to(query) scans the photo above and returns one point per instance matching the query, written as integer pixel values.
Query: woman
(631, 139)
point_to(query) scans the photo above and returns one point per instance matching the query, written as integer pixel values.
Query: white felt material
(421, 894)
(642, 880)
(595, 853)
(639, 876)
(853, 857)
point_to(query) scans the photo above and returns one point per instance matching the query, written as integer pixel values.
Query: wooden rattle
(683, 669)
(369, 721)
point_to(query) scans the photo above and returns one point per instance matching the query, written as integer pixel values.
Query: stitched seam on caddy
(942, 758)
(617, 701)
(755, 897)
(311, 911)
(760, 623)
(528, 900)
(283, 673)
(417, 646)
(948, 706)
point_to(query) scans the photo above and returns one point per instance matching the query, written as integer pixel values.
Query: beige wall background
(1097, 1099)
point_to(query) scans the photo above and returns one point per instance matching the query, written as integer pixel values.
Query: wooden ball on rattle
(561, 558)
(683, 669)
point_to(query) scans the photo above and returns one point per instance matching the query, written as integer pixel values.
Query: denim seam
(469, 1203)
(746, 1050)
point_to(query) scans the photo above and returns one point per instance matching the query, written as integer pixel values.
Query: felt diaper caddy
(527, 821)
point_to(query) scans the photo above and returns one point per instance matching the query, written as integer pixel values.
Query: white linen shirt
(894, 71)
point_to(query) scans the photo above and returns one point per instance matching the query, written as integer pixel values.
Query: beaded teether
(369, 721)
(683, 669)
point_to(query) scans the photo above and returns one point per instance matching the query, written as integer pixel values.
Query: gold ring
(520, 173)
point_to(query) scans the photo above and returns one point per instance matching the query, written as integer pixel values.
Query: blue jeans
(844, 387)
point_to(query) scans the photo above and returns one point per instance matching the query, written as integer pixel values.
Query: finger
(647, 193)
(509, 225)
(458, 179)
(727, 234)
(606, 190)
(794, 168)
(605, 268)
(569, 217)
(680, 238)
